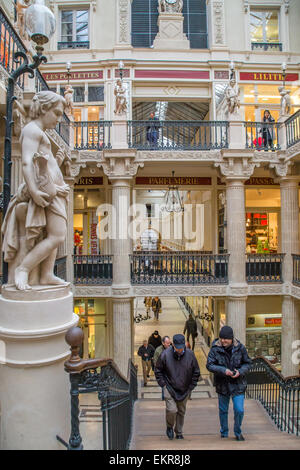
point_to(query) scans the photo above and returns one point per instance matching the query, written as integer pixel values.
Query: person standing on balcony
(229, 361)
(267, 130)
(152, 130)
(190, 328)
(177, 373)
(146, 352)
(156, 307)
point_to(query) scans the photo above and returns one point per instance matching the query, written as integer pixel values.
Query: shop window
(264, 28)
(94, 198)
(78, 199)
(74, 29)
(96, 93)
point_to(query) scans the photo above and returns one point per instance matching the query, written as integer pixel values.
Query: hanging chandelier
(172, 200)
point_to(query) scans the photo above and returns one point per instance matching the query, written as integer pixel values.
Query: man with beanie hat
(229, 361)
(177, 372)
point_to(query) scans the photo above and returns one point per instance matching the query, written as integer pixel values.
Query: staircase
(152, 391)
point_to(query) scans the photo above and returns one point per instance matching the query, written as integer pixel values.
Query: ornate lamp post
(40, 25)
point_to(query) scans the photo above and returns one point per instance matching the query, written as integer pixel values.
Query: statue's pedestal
(34, 388)
(170, 32)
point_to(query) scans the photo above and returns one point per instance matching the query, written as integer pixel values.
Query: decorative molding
(293, 151)
(295, 292)
(124, 21)
(265, 289)
(282, 166)
(53, 135)
(219, 26)
(237, 168)
(92, 291)
(75, 169)
(120, 167)
(175, 291)
(211, 155)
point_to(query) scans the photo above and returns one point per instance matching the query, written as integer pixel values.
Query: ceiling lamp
(172, 200)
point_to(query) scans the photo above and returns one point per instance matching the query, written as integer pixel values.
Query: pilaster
(290, 333)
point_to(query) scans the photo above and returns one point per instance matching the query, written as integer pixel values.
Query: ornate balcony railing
(264, 267)
(296, 269)
(60, 268)
(92, 135)
(179, 269)
(63, 128)
(73, 45)
(178, 135)
(292, 126)
(10, 43)
(266, 46)
(279, 396)
(93, 269)
(115, 392)
(262, 136)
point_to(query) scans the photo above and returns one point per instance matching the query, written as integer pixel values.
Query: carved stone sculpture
(21, 6)
(68, 94)
(285, 102)
(121, 101)
(232, 94)
(171, 6)
(36, 220)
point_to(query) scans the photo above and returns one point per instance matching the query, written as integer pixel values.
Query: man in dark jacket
(177, 372)
(146, 352)
(155, 339)
(229, 361)
(156, 306)
(190, 328)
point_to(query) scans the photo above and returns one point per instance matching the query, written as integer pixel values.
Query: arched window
(144, 15)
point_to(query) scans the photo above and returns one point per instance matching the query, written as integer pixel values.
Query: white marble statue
(21, 6)
(170, 6)
(36, 220)
(121, 101)
(232, 95)
(68, 94)
(285, 102)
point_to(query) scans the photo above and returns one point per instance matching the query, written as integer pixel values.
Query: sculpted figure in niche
(36, 220)
(232, 94)
(285, 102)
(165, 7)
(120, 94)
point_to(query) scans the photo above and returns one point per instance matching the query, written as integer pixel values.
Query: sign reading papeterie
(84, 75)
(170, 180)
(268, 77)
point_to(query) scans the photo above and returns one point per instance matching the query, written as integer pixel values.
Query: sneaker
(179, 436)
(240, 437)
(170, 433)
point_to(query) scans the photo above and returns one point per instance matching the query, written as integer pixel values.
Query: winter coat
(179, 374)
(149, 350)
(155, 342)
(219, 360)
(190, 327)
(158, 352)
(156, 305)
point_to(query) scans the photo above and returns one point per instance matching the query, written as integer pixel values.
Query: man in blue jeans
(229, 361)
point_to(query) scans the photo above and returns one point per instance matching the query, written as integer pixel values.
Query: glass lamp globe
(39, 22)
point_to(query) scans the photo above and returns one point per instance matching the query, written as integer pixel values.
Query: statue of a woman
(36, 220)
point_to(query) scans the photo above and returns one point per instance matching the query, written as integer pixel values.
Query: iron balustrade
(93, 269)
(92, 135)
(262, 135)
(60, 268)
(266, 46)
(279, 396)
(179, 269)
(178, 135)
(73, 45)
(40, 82)
(10, 43)
(116, 394)
(296, 269)
(292, 126)
(262, 267)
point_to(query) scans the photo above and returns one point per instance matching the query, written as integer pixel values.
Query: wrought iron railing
(40, 82)
(73, 45)
(179, 269)
(92, 135)
(296, 269)
(63, 128)
(292, 126)
(10, 43)
(116, 394)
(279, 396)
(60, 268)
(262, 135)
(262, 267)
(93, 269)
(178, 135)
(266, 46)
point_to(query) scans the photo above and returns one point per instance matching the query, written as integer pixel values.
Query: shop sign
(90, 181)
(176, 180)
(93, 241)
(268, 77)
(89, 75)
(273, 321)
(221, 75)
(260, 181)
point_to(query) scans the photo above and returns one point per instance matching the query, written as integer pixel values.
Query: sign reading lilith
(35, 223)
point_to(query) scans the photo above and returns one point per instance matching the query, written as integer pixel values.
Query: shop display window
(261, 342)
(261, 232)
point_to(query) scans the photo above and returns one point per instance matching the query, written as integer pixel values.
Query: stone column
(70, 230)
(236, 316)
(289, 223)
(290, 332)
(122, 332)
